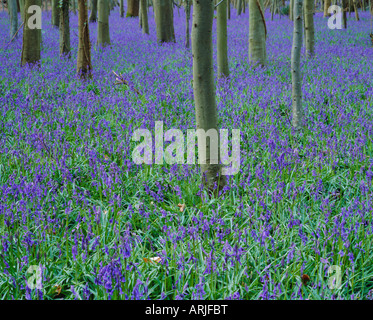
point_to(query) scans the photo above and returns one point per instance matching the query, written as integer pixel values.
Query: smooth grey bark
(21, 8)
(13, 15)
(239, 7)
(132, 8)
(144, 16)
(73, 3)
(121, 8)
(223, 69)
(55, 13)
(309, 28)
(93, 14)
(204, 90)
(344, 15)
(84, 66)
(187, 19)
(163, 11)
(296, 77)
(140, 15)
(31, 38)
(65, 29)
(103, 35)
(257, 33)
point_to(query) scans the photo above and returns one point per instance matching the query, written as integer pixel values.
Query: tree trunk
(204, 91)
(144, 16)
(187, 18)
(22, 8)
(229, 9)
(239, 7)
(65, 29)
(121, 8)
(309, 28)
(295, 66)
(163, 12)
(73, 6)
(344, 14)
(223, 70)
(84, 66)
(140, 15)
(12, 8)
(257, 33)
(327, 4)
(31, 38)
(103, 35)
(291, 10)
(356, 11)
(55, 13)
(93, 14)
(132, 8)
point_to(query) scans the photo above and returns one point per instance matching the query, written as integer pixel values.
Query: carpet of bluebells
(73, 202)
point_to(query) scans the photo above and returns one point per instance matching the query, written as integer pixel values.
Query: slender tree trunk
(229, 9)
(187, 18)
(55, 13)
(327, 4)
(239, 7)
(344, 14)
(204, 90)
(65, 29)
(103, 35)
(163, 11)
(309, 28)
(12, 9)
(73, 2)
(257, 33)
(144, 16)
(223, 70)
(295, 66)
(22, 8)
(132, 8)
(121, 8)
(356, 11)
(140, 15)
(93, 14)
(31, 38)
(291, 10)
(84, 66)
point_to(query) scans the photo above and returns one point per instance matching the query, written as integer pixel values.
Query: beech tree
(12, 9)
(31, 38)
(309, 27)
(223, 69)
(84, 66)
(257, 33)
(132, 8)
(296, 77)
(163, 11)
(103, 35)
(55, 13)
(121, 8)
(93, 14)
(187, 19)
(144, 16)
(64, 28)
(204, 90)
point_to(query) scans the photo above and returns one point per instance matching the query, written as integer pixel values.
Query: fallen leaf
(154, 259)
(305, 279)
(181, 206)
(58, 289)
